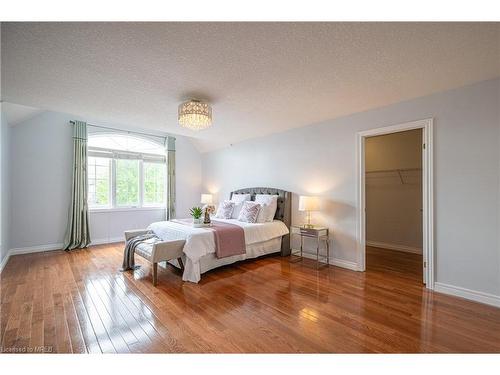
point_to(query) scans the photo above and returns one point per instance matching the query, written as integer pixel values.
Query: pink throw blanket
(229, 238)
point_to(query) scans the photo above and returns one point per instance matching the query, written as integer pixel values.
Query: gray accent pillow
(249, 212)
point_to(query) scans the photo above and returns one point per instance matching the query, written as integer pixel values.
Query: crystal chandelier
(195, 115)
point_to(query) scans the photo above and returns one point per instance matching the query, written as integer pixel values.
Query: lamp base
(309, 225)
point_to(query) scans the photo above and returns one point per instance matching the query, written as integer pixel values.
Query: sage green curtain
(170, 145)
(77, 233)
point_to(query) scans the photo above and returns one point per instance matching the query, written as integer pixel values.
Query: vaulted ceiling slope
(261, 78)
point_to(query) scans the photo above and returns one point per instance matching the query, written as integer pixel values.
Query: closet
(394, 203)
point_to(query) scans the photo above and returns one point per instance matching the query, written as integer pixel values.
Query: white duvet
(200, 241)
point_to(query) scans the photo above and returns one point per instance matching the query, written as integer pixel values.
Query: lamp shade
(307, 203)
(206, 198)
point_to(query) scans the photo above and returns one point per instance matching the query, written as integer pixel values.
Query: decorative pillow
(264, 212)
(238, 200)
(269, 205)
(225, 210)
(249, 212)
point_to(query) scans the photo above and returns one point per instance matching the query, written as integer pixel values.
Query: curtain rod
(125, 131)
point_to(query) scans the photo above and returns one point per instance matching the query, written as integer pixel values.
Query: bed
(260, 238)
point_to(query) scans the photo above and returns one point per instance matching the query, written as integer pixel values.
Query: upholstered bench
(157, 252)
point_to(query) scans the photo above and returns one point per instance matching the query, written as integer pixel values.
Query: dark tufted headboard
(283, 212)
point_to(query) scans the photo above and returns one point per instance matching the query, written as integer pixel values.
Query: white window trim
(141, 157)
(125, 209)
(118, 154)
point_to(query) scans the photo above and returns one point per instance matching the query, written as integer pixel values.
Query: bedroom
(207, 181)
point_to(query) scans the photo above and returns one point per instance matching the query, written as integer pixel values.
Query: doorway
(395, 205)
(393, 194)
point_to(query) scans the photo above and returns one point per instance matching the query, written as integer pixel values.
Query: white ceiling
(261, 78)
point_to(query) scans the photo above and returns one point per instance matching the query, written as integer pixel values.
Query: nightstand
(320, 234)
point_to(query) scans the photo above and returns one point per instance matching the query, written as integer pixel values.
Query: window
(154, 189)
(125, 172)
(127, 182)
(99, 174)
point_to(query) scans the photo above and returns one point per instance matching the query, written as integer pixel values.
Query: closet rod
(125, 131)
(395, 170)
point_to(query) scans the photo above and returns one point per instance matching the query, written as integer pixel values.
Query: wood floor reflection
(79, 302)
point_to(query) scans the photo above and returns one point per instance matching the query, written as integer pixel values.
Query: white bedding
(200, 241)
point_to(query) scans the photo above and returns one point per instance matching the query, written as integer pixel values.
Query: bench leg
(155, 274)
(181, 264)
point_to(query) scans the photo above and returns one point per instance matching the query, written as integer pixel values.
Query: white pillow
(263, 213)
(249, 212)
(238, 200)
(225, 210)
(269, 205)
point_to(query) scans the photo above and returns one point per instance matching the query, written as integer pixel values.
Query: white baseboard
(353, 266)
(103, 241)
(4, 261)
(397, 247)
(36, 249)
(473, 295)
(335, 262)
(58, 246)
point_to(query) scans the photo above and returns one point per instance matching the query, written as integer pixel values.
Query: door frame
(427, 192)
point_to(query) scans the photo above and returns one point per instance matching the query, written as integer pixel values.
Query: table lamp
(308, 204)
(207, 200)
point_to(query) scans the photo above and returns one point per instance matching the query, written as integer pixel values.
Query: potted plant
(196, 213)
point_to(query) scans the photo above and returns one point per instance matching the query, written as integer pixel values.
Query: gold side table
(320, 234)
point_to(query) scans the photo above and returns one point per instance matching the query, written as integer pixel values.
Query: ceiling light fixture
(195, 115)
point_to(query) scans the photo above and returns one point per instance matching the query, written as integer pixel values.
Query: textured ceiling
(261, 78)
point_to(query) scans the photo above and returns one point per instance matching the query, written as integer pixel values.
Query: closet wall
(394, 191)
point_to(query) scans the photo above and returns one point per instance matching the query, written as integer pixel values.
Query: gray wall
(320, 159)
(41, 154)
(4, 187)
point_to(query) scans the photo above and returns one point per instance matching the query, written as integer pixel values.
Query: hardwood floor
(398, 263)
(79, 302)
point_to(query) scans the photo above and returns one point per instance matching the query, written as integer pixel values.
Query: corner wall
(320, 159)
(4, 177)
(5, 189)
